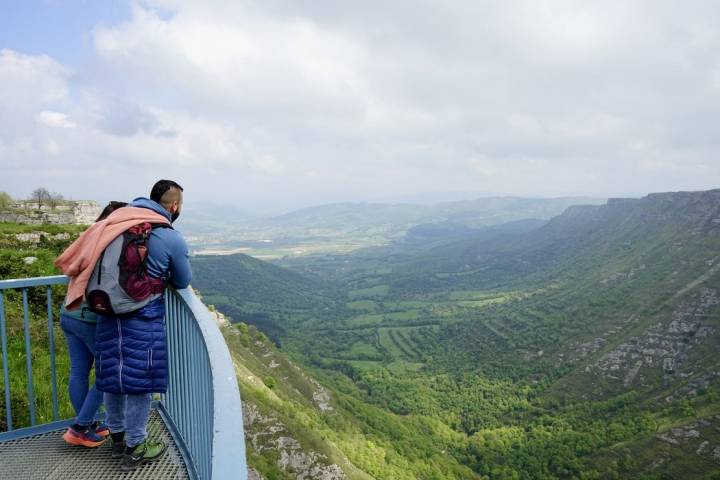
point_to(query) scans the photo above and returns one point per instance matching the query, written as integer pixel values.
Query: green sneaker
(146, 452)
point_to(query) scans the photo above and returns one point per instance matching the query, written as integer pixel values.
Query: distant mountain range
(478, 212)
(349, 226)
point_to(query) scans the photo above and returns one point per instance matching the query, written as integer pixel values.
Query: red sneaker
(87, 439)
(100, 429)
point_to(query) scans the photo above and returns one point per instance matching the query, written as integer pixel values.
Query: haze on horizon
(280, 104)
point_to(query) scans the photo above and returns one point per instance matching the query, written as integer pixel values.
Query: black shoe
(118, 449)
(146, 452)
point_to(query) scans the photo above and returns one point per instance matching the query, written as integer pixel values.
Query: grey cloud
(126, 119)
(313, 100)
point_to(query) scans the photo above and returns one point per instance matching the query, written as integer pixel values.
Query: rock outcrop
(268, 432)
(81, 212)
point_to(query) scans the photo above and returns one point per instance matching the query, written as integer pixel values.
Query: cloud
(31, 80)
(29, 84)
(55, 119)
(301, 101)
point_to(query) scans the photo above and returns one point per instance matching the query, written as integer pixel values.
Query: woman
(79, 328)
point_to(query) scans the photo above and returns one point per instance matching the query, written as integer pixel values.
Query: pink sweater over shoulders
(79, 259)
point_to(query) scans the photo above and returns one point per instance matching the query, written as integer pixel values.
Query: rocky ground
(661, 349)
(265, 432)
(697, 443)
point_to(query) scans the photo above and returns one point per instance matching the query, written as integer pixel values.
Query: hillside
(584, 344)
(256, 292)
(297, 428)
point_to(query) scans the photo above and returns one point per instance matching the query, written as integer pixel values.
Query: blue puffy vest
(131, 351)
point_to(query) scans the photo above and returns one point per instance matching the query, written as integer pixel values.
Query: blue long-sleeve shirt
(167, 250)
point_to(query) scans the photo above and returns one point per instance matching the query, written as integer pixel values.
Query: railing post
(51, 338)
(23, 285)
(6, 376)
(28, 357)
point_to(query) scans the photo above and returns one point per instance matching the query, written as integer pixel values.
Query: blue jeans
(129, 414)
(80, 337)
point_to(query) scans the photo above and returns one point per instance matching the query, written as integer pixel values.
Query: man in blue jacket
(131, 362)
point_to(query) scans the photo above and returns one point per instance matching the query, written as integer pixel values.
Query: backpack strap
(160, 287)
(161, 225)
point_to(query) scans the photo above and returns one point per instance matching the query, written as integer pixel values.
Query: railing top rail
(33, 282)
(227, 450)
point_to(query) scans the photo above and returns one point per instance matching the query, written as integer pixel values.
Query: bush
(5, 201)
(270, 382)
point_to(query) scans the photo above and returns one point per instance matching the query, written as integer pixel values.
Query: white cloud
(244, 61)
(326, 102)
(55, 119)
(28, 80)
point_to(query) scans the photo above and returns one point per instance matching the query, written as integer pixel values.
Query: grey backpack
(119, 282)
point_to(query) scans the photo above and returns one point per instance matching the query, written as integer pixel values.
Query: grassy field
(278, 252)
(405, 343)
(378, 291)
(362, 305)
(401, 367)
(365, 320)
(365, 364)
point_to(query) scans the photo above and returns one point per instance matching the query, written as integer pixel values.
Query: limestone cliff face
(81, 212)
(86, 211)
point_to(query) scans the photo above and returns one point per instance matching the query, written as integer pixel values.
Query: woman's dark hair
(109, 208)
(161, 187)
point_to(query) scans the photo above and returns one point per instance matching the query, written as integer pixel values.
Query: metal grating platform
(47, 456)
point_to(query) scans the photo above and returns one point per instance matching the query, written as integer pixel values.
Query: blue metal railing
(203, 399)
(24, 285)
(202, 406)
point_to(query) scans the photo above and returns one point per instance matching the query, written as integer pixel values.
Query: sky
(281, 104)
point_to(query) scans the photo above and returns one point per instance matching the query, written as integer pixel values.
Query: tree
(54, 199)
(40, 195)
(5, 201)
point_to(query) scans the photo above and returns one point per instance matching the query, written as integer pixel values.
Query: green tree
(5, 201)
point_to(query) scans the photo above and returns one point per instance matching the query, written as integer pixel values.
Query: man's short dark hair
(161, 187)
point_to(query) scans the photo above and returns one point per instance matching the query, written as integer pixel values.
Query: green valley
(557, 352)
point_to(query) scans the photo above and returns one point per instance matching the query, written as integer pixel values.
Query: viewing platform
(200, 416)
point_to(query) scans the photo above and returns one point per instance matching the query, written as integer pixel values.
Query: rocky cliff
(81, 212)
